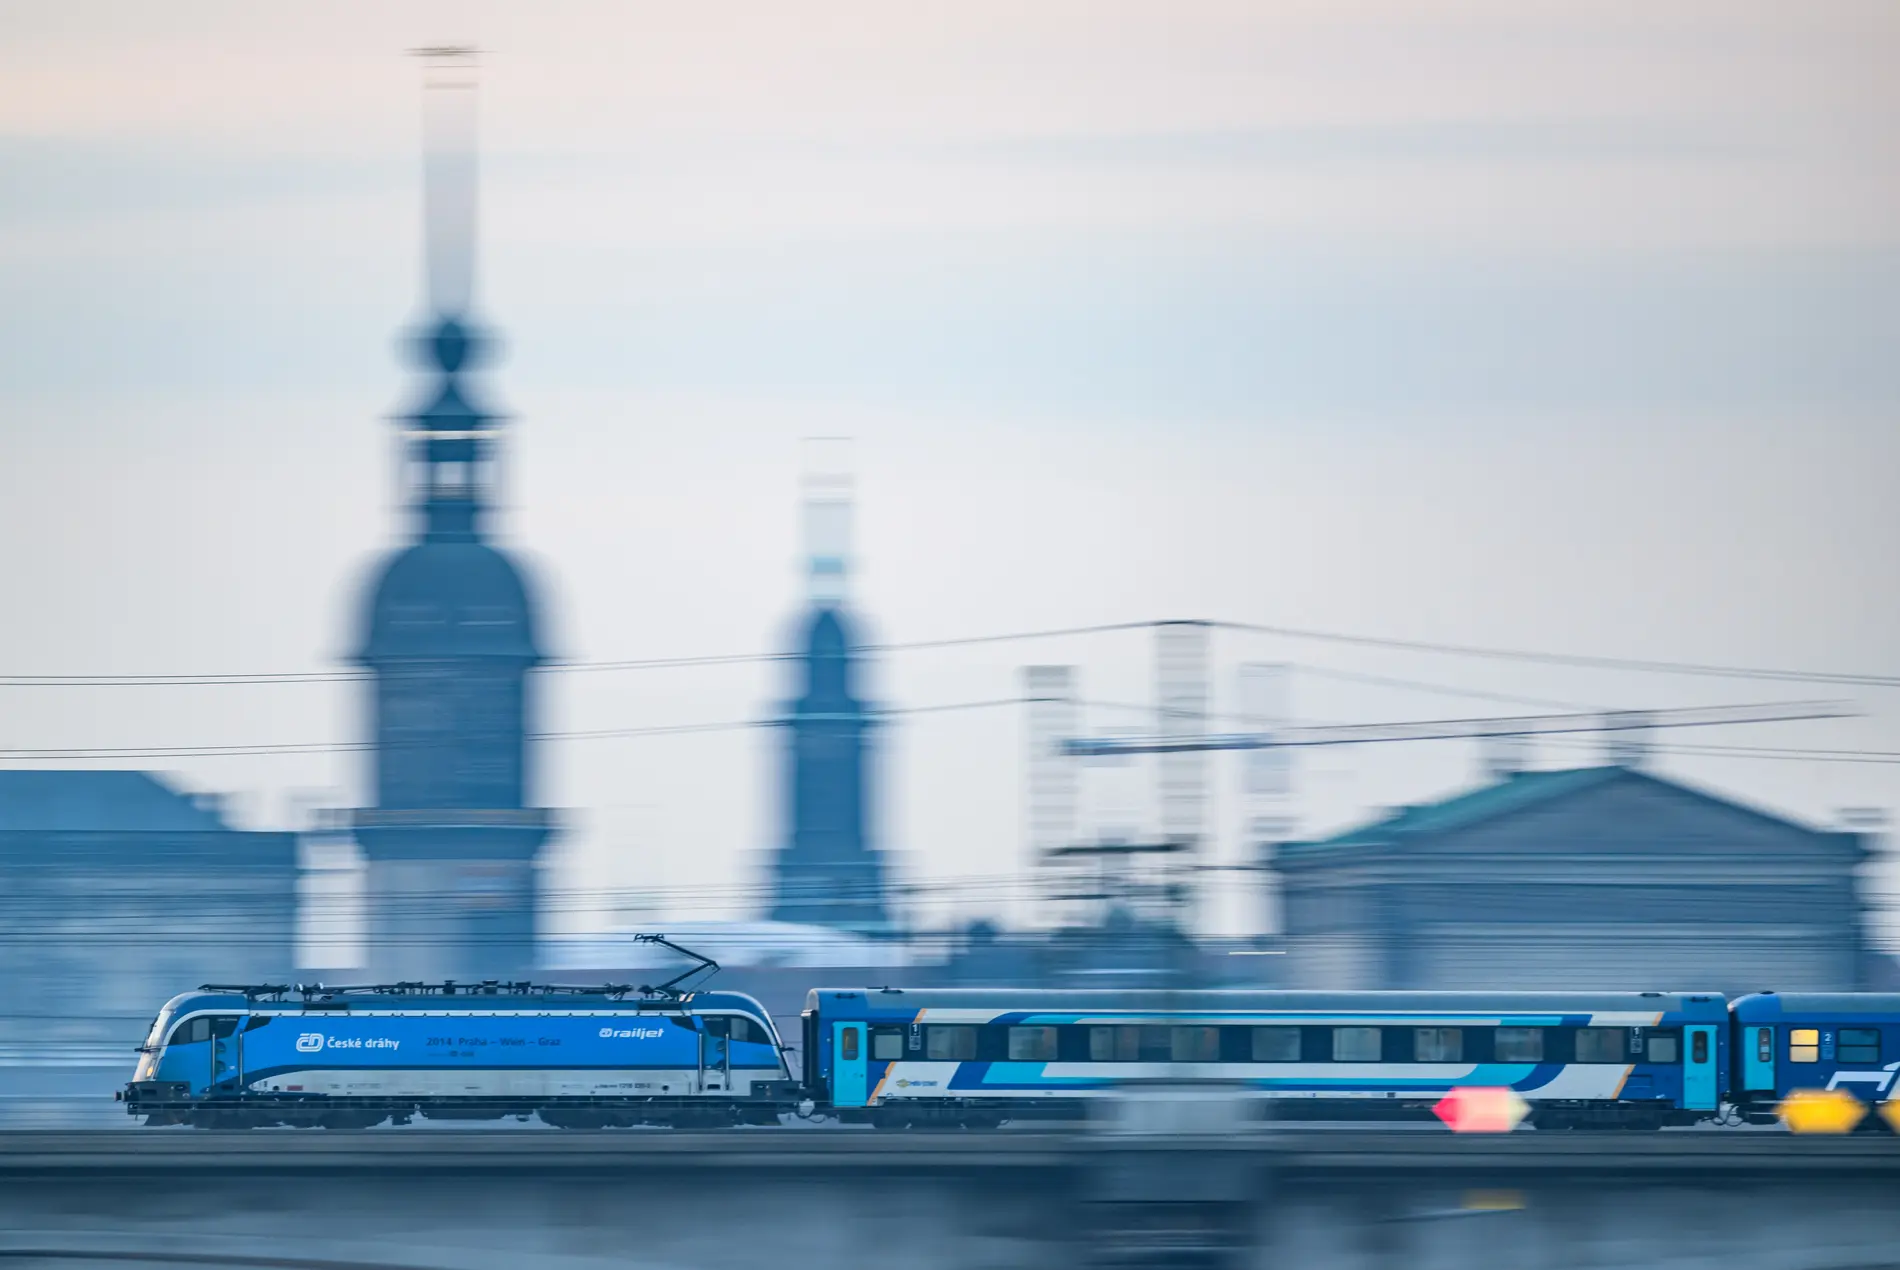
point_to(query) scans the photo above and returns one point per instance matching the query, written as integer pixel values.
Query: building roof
(99, 802)
(1516, 792)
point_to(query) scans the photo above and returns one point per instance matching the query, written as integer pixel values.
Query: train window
(1194, 1045)
(750, 1030)
(191, 1031)
(1356, 1045)
(1276, 1045)
(848, 1044)
(1804, 1045)
(1114, 1044)
(1699, 1048)
(949, 1043)
(1860, 1045)
(1157, 1044)
(1664, 1048)
(223, 1025)
(1032, 1044)
(1438, 1044)
(887, 1044)
(1519, 1045)
(1599, 1045)
(1765, 1045)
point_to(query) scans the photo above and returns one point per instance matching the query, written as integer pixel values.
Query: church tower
(449, 639)
(828, 872)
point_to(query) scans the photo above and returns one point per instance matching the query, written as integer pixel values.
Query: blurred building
(449, 639)
(1601, 877)
(117, 892)
(828, 871)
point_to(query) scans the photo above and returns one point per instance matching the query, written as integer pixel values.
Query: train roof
(378, 999)
(1765, 1005)
(1164, 1000)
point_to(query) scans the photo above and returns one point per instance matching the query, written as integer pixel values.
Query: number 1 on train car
(849, 1066)
(1698, 1068)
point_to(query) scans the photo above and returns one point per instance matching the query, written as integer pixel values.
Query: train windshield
(156, 1036)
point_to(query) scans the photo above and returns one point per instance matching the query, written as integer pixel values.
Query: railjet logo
(631, 1033)
(310, 1042)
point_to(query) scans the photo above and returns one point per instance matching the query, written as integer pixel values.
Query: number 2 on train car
(849, 1066)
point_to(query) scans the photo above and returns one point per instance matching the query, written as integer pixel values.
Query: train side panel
(1784, 1042)
(231, 1054)
(1622, 1058)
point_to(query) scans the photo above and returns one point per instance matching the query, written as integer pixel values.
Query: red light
(1476, 1109)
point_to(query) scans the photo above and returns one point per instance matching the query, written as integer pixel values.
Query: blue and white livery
(1815, 1040)
(352, 1058)
(976, 1057)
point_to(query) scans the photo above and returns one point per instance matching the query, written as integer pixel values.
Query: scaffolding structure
(1262, 693)
(1052, 782)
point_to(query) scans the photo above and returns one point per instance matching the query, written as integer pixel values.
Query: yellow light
(1822, 1111)
(1494, 1201)
(1890, 1112)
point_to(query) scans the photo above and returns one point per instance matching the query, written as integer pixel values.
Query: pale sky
(1562, 327)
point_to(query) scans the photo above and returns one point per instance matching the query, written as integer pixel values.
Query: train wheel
(350, 1119)
(1876, 1123)
(223, 1120)
(890, 1118)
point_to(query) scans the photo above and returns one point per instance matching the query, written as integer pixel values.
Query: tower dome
(449, 599)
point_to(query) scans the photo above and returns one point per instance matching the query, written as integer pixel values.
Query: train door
(1698, 1068)
(849, 1065)
(1758, 1059)
(227, 1053)
(715, 1056)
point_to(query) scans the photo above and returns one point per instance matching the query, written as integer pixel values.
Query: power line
(1445, 690)
(1448, 729)
(346, 747)
(1588, 661)
(572, 667)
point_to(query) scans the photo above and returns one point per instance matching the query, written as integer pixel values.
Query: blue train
(1814, 1040)
(616, 1056)
(1638, 1060)
(352, 1058)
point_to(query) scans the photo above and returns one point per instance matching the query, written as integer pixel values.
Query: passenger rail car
(1814, 1040)
(976, 1057)
(343, 1058)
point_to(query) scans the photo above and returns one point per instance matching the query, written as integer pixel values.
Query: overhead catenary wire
(1442, 648)
(1578, 660)
(557, 667)
(77, 753)
(1339, 734)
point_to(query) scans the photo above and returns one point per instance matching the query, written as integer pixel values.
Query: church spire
(449, 441)
(827, 480)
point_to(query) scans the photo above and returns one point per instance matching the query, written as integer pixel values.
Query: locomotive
(232, 1056)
